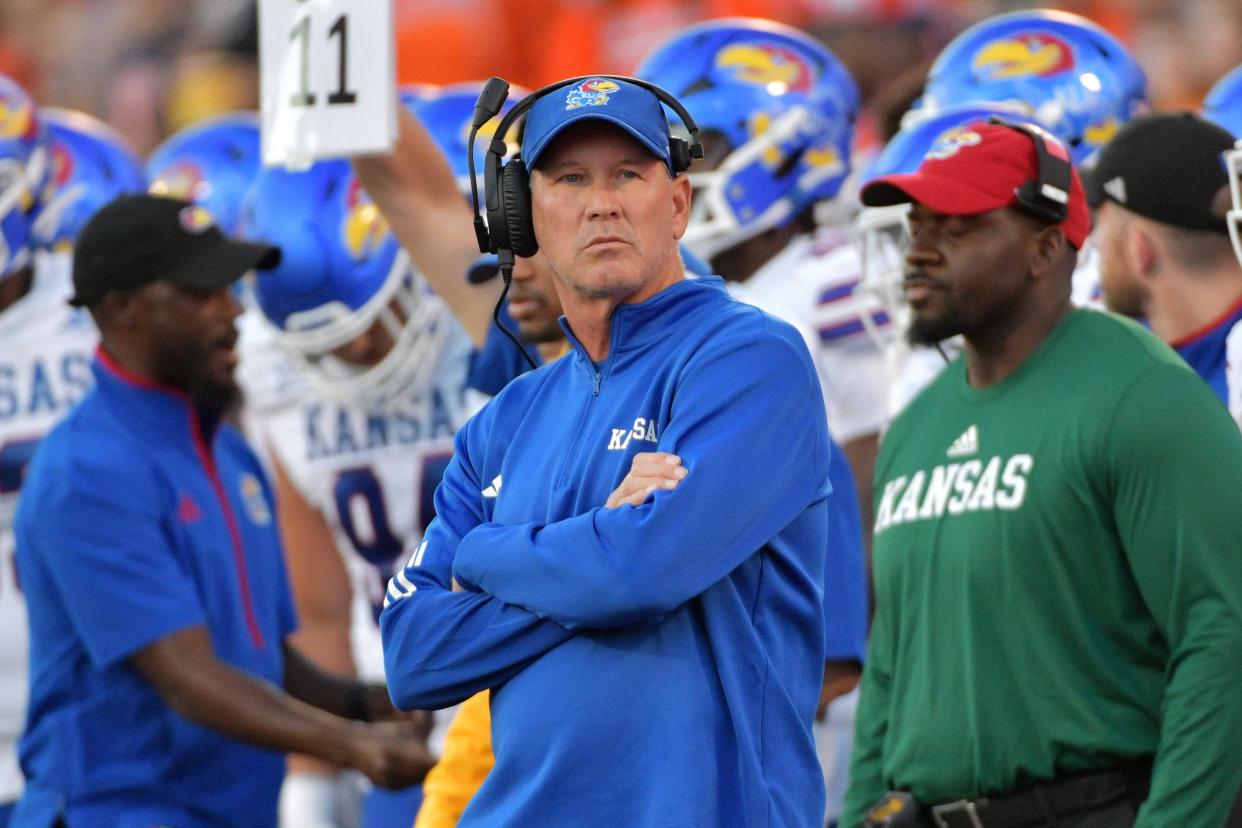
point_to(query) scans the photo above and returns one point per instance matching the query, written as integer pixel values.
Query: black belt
(1047, 800)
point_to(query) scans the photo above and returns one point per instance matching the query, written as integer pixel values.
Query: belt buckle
(966, 806)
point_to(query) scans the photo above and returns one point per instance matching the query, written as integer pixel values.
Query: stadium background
(150, 67)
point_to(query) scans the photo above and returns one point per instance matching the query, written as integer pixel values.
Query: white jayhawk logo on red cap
(949, 143)
(195, 219)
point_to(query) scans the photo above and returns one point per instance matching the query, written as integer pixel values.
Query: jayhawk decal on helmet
(1030, 53)
(776, 67)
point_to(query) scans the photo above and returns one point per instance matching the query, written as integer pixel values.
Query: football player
(45, 353)
(364, 426)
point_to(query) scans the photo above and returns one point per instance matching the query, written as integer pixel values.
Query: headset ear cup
(679, 154)
(515, 201)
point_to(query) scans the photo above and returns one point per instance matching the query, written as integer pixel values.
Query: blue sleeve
(845, 579)
(106, 547)
(440, 646)
(745, 407)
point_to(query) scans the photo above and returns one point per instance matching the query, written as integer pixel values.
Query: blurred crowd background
(150, 67)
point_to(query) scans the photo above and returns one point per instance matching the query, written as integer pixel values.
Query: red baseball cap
(976, 168)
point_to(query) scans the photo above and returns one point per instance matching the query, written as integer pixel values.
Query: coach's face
(608, 214)
(962, 272)
(192, 338)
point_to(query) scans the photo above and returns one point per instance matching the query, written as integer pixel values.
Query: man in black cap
(158, 603)
(1160, 193)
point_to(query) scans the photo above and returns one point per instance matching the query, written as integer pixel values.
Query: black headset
(507, 186)
(1047, 197)
(509, 231)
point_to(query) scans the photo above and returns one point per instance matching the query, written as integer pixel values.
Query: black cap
(1168, 167)
(137, 239)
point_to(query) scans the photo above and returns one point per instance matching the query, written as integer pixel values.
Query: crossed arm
(442, 644)
(614, 567)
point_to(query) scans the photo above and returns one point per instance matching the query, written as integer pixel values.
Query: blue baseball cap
(633, 108)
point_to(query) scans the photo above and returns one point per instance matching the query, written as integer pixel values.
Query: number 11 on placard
(316, 58)
(300, 34)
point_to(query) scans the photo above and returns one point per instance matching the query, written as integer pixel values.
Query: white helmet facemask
(417, 320)
(1233, 218)
(716, 225)
(883, 237)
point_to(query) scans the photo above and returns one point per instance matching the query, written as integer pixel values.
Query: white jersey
(816, 277)
(370, 473)
(46, 348)
(1233, 372)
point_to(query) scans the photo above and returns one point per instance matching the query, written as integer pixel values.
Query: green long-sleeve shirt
(1058, 579)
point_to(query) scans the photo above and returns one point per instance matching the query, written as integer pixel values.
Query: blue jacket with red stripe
(139, 518)
(650, 665)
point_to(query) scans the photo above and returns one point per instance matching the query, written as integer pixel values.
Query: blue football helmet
(91, 164)
(24, 171)
(783, 105)
(1223, 104)
(881, 232)
(211, 164)
(1066, 71)
(446, 112)
(342, 271)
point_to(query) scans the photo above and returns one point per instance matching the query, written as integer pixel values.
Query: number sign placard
(327, 79)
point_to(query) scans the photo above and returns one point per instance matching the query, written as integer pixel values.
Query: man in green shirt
(1058, 568)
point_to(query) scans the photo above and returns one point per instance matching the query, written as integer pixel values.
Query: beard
(937, 318)
(936, 323)
(223, 399)
(928, 331)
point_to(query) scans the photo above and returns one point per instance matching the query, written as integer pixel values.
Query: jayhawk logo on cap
(775, 67)
(1035, 54)
(195, 219)
(951, 142)
(364, 227)
(593, 92)
(183, 180)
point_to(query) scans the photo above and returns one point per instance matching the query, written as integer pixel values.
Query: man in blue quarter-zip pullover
(152, 567)
(655, 664)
